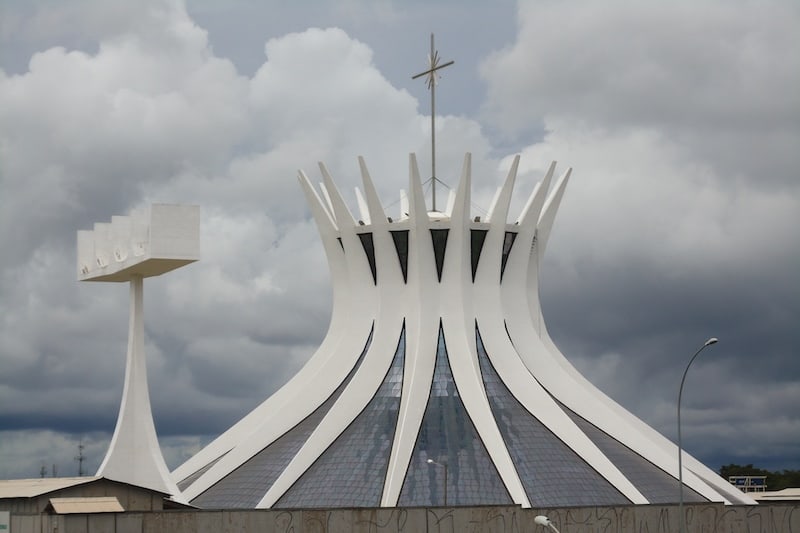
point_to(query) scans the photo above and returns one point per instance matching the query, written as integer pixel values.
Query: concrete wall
(705, 518)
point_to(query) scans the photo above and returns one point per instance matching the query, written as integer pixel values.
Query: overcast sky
(681, 221)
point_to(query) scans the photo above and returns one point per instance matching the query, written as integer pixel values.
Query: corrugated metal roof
(98, 504)
(29, 488)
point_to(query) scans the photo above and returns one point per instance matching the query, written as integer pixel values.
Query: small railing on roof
(749, 483)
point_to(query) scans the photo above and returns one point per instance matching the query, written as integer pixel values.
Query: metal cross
(433, 66)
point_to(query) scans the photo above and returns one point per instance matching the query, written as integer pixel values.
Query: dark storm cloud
(681, 219)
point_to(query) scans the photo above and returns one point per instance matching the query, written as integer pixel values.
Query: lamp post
(544, 521)
(709, 342)
(443, 465)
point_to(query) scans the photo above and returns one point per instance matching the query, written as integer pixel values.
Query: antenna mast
(433, 66)
(80, 458)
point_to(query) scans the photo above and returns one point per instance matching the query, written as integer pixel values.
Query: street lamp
(709, 342)
(544, 521)
(443, 465)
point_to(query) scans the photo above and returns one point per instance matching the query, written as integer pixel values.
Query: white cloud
(716, 64)
(679, 198)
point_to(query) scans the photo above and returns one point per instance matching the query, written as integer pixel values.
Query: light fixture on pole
(443, 465)
(542, 520)
(709, 342)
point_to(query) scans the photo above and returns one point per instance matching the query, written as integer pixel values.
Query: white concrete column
(134, 455)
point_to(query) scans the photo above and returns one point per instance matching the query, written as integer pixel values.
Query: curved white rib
(378, 359)
(495, 305)
(322, 372)
(331, 363)
(558, 375)
(458, 321)
(652, 437)
(348, 406)
(422, 332)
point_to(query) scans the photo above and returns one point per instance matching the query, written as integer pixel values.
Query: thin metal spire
(433, 66)
(80, 458)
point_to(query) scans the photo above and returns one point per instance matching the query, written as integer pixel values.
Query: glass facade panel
(655, 484)
(477, 238)
(400, 238)
(350, 473)
(369, 249)
(463, 472)
(439, 238)
(552, 474)
(245, 486)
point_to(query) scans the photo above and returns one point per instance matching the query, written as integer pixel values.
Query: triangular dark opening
(369, 248)
(439, 238)
(477, 238)
(400, 238)
(508, 242)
